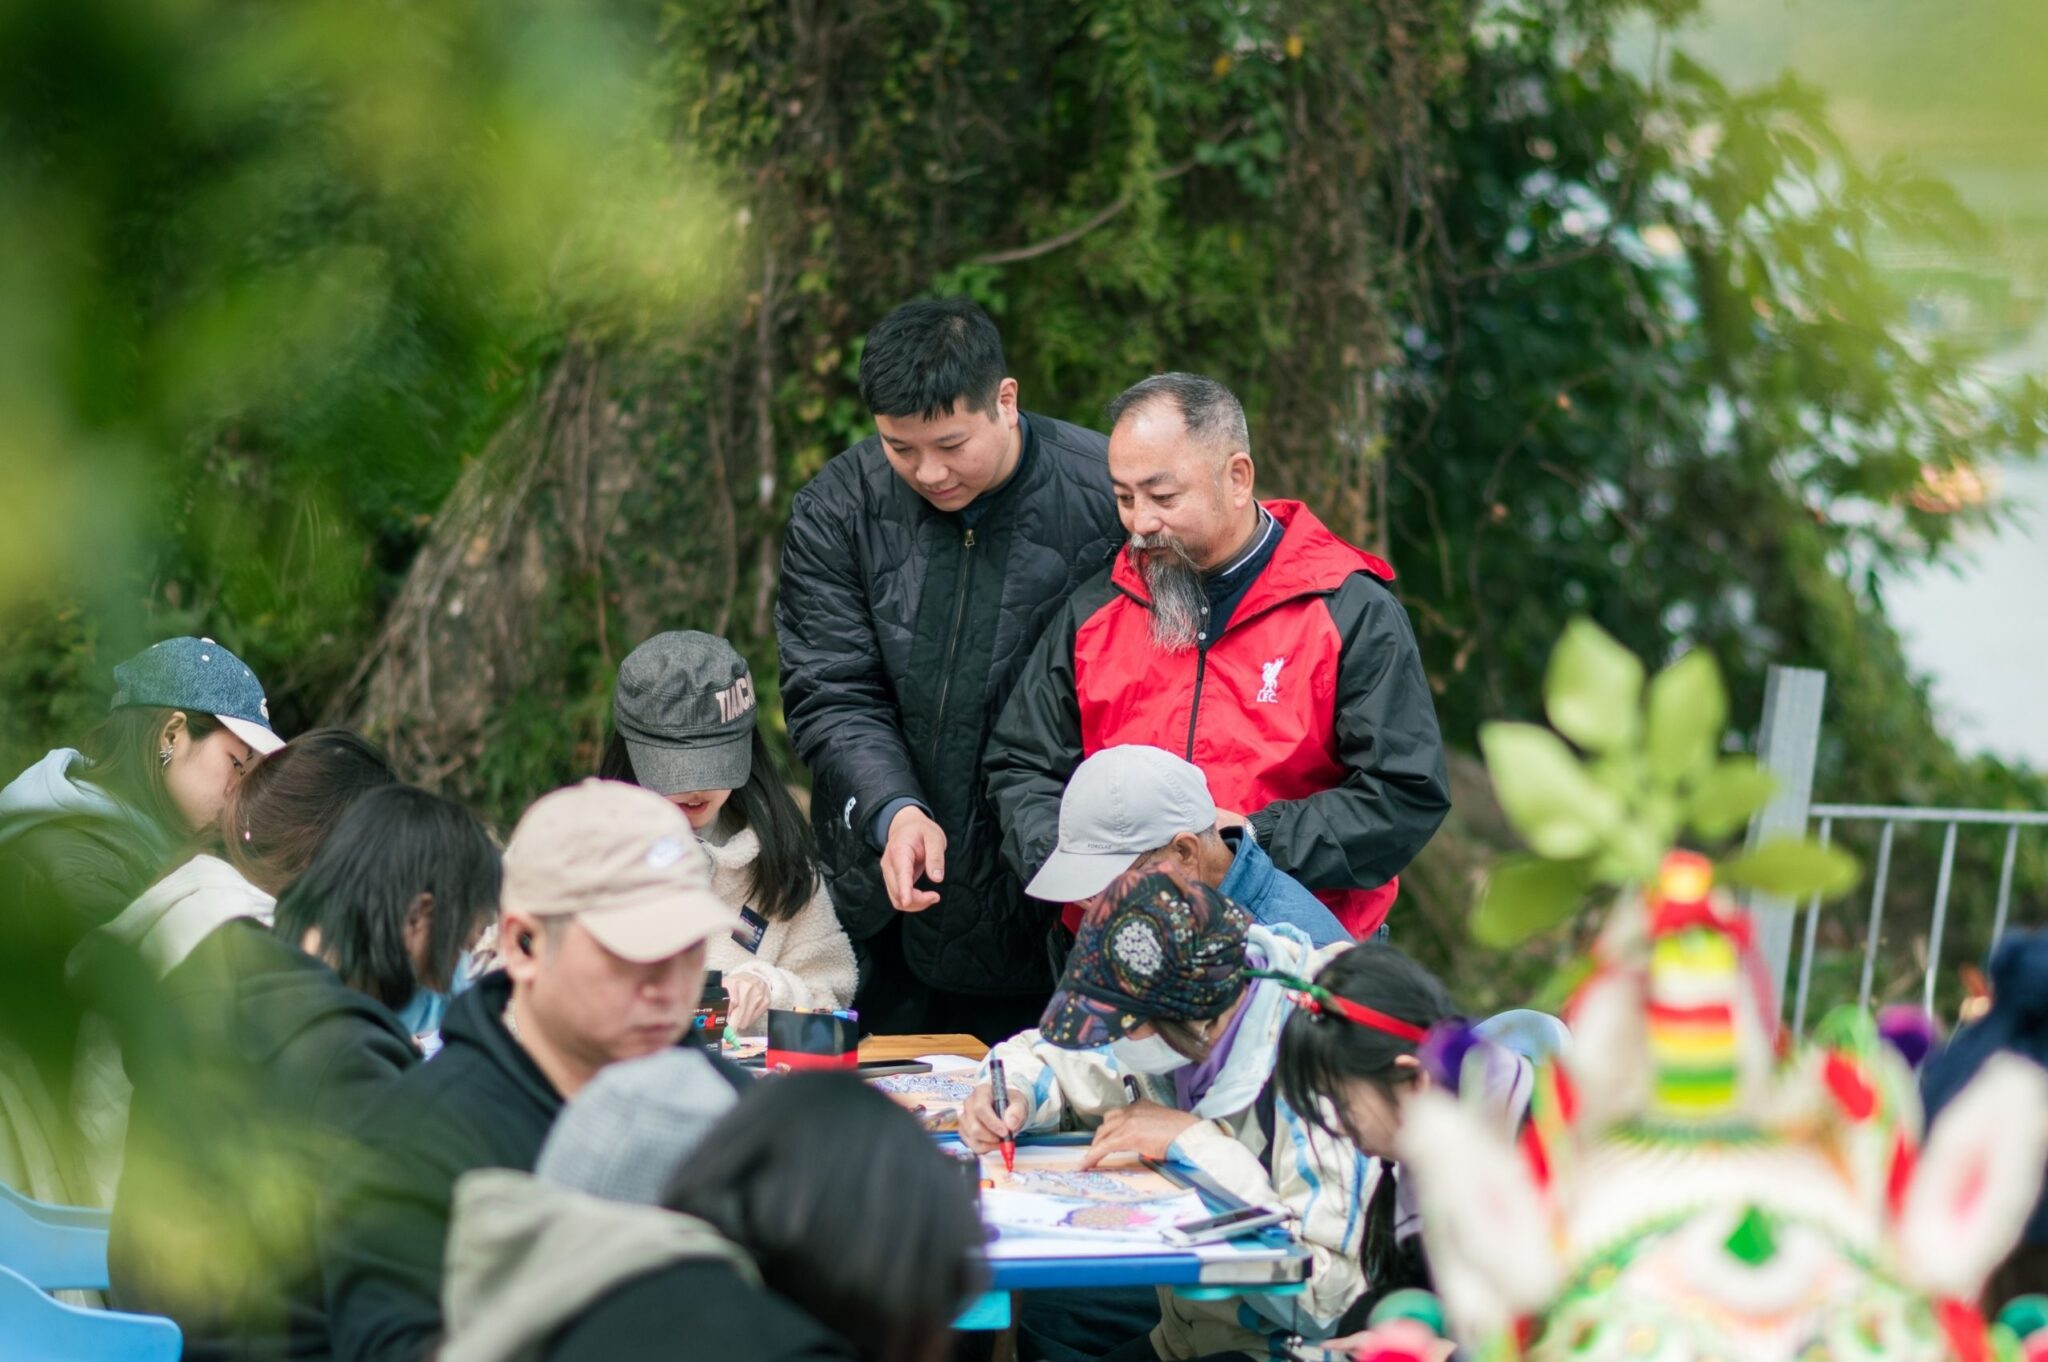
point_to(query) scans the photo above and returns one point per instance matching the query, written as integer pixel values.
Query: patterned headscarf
(1150, 947)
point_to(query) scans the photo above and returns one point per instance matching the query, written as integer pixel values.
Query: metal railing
(1889, 817)
(1787, 745)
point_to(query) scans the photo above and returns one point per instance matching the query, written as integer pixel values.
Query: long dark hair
(393, 845)
(785, 874)
(125, 762)
(1319, 1054)
(285, 807)
(847, 1208)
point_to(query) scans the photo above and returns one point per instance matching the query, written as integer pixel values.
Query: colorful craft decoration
(1684, 1192)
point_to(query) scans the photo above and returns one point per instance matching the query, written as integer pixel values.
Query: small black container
(712, 1005)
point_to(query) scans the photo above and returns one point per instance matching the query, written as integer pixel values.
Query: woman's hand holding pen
(981, 1129)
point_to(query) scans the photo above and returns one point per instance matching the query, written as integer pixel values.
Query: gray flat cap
(685, 705)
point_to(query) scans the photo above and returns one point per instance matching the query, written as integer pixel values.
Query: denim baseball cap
(198, 674)
(685, 705)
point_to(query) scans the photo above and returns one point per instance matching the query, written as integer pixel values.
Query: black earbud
(526, 942)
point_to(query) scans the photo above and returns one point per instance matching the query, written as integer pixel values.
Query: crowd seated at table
(1113, 767)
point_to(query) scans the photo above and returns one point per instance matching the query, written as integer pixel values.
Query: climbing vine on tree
(1561, 336)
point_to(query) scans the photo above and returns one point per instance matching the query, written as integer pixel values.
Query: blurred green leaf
(1556, 806)
(1593, 691)
(1563, 982)
(1688, 708)
(1727, 796)
(1661, 816)
(1793, 868)
(1526, 895)
(1629, 854)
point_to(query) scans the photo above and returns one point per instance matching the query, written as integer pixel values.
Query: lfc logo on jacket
(1308, 712)
(1269, 681)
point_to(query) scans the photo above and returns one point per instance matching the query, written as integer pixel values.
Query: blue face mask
(465, 974)
(422, 1014)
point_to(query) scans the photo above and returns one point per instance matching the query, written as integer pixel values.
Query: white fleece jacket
(806, 961)
(162, 926)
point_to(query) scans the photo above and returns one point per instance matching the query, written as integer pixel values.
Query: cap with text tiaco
(685, 705)
(623, 862)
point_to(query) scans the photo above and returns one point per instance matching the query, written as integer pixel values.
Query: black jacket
(249, 1077)
(697, 1311)
(901, 632)
(482, 1103)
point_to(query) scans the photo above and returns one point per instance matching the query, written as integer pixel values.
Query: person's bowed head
(607, 909)
(1156, 972)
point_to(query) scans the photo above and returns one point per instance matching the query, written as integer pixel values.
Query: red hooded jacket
(1308, 713)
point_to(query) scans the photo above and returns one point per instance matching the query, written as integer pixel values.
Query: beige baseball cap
(623, 861)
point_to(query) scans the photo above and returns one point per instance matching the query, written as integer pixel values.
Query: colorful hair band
(1319, 1002)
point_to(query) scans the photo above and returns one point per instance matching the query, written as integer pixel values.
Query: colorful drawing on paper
(1056, 1171)
(943, 1087)
(1049, 1192)
(936, 1098)
(1125, 1218)
(1112, 1186)
(1015, 1212)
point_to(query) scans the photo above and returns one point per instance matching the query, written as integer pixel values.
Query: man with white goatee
(1250, 640)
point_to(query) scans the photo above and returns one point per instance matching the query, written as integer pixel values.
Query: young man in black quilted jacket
(918, 569)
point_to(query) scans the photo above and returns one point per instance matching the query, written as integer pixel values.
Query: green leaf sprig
(1623, 773)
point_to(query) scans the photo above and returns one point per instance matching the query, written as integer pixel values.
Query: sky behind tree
(1958, 87)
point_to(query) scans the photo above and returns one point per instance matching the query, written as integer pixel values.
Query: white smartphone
(1210, 1228)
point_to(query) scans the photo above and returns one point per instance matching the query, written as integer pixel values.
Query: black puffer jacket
(901, 632)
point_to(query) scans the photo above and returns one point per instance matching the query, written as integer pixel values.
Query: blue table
(1189, 1272)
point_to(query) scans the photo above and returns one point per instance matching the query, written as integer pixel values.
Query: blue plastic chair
(53, 1248)
(35, 1325)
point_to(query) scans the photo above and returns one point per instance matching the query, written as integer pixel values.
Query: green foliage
(1594, 688)
(1794, 869)
(1528, 894)
(1726, 796)
(1557, 805)
(1611, 819)
(271, 273)
(1559, 337)
(1688, 708)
